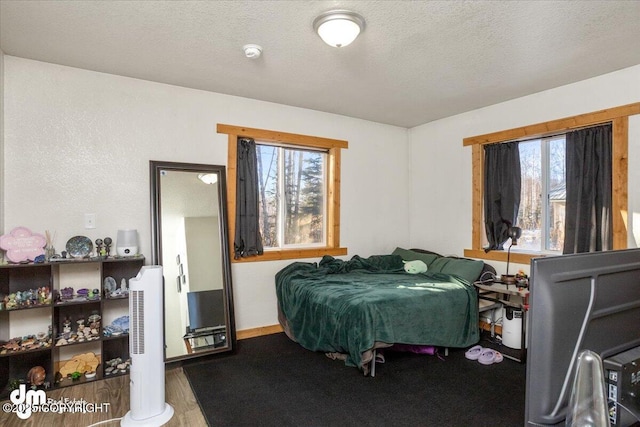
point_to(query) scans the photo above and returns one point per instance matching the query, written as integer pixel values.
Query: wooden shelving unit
(30, 333)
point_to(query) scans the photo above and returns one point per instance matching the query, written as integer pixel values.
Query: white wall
(79, 142)
(441, 167)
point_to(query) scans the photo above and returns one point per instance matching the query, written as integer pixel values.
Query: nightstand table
(511, 296)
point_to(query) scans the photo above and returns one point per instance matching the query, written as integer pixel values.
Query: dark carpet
(272, 381)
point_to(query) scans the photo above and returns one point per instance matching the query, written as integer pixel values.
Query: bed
(348, 309)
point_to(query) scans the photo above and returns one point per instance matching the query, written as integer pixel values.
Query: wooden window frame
(332, 147)
(617, 116)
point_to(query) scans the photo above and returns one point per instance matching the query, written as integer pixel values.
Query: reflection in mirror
(189, 233)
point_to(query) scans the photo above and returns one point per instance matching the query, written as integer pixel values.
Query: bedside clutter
(512, 303)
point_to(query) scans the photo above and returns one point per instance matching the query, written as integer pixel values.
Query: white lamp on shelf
(127, 243)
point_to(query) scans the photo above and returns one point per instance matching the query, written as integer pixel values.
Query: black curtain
(501, 191)
(588, 225)
(247, 239)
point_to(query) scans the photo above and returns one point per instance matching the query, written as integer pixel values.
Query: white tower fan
(146, 340)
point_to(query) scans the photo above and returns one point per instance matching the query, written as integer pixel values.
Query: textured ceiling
(416, 61)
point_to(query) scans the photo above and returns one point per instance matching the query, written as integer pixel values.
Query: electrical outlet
(90, 220)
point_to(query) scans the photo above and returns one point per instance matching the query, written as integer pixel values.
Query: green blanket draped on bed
(347, 307)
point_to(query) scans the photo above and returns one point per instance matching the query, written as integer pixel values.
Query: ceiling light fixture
(252, 51)
(338, 28)
(208, 178)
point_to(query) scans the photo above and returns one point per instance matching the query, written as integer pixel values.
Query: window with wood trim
(543, 195)
(302, 225)
(292, 190)
(619, 117)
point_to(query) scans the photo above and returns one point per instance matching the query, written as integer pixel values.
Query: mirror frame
(155, 168)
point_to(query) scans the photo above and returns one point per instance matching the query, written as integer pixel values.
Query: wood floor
(114, 391)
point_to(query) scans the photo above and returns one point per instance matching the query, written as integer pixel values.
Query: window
(299, 184)
(292, 186)
(618, 116)
(542, 196)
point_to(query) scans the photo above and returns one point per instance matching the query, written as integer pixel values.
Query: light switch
(90, 220)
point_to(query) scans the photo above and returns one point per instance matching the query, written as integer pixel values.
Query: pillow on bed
(414, 267)
(409, 255)
(468, 269)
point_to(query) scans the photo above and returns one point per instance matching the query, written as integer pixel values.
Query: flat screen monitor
(577, 302)
(206, 310)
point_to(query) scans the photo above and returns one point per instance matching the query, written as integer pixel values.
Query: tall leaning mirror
(189, 233)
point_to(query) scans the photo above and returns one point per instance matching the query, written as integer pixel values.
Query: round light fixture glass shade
(208, 178)
(338, 28)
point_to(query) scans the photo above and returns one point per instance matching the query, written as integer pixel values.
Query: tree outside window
(299, 186)
(292, 196)
(617, 116)
(543, 194)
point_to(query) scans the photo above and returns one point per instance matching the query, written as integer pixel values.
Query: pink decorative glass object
(22, 245)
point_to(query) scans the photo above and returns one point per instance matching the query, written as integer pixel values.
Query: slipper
(490, 356)
(474, 352)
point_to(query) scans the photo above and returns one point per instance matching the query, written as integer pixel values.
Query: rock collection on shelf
(24, 299)
(28, 342)
(118, 327)
(117, 366)
(80, 364)
(83, 332)
(67, 295)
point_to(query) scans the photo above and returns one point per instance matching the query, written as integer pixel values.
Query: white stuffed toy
(415, 267)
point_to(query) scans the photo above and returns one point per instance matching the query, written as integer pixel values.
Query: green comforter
(348, 306)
